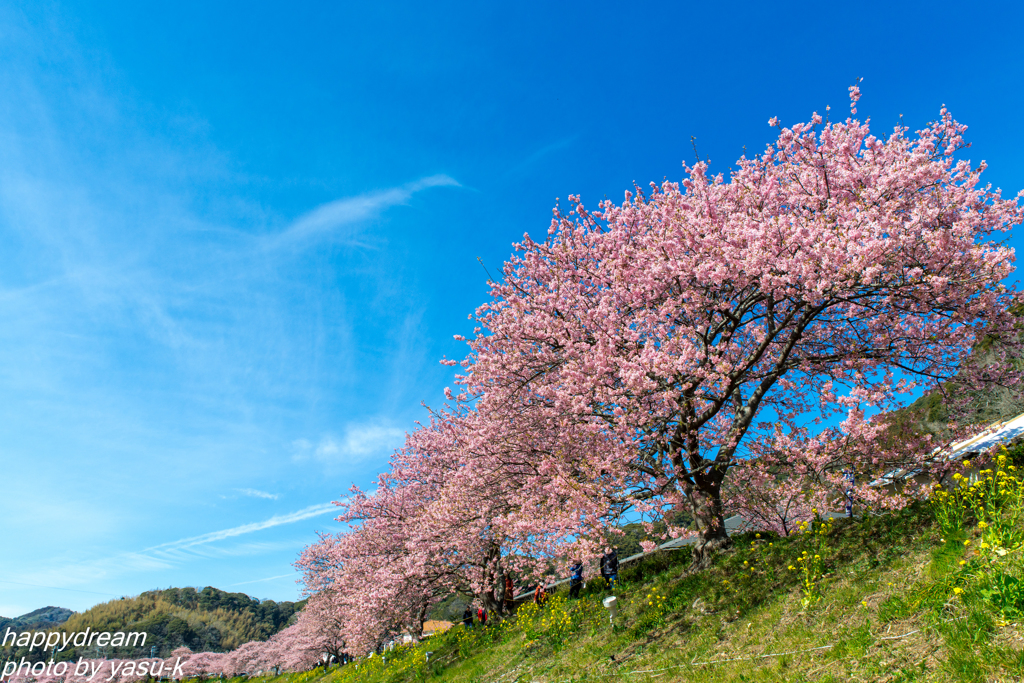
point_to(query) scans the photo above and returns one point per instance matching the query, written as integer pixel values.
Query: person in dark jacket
(575, 578)
(610, 567)
(467, 617)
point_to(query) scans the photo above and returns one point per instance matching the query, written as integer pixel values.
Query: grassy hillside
(209, 620)
(909, 596)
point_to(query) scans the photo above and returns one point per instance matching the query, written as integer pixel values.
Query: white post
(611, 603)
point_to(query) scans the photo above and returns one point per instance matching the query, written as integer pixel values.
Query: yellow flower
(967, 542)
(963, 562)
(864, 603)
(958, 590)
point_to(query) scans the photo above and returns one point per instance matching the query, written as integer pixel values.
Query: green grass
(887, 612)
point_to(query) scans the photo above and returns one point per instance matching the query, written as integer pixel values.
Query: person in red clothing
(540, 596)
(509, 593)
(481, 616)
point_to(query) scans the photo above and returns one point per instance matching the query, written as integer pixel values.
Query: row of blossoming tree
(717, 346)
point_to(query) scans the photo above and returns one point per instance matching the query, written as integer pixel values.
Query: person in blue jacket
(575, 578)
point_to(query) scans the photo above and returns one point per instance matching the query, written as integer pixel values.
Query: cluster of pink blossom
(686, 349)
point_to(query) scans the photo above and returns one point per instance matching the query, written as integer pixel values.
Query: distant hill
(209, 619)
(38, 620)
(930, 414)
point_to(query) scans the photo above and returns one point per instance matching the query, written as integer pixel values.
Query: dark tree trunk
(416, 627)
(492, 572)
(490, 603)
(709, 516)
(502, 598)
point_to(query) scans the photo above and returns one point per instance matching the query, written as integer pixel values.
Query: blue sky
(237, 238)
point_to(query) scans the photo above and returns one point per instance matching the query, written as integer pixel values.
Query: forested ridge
(209, 620)
(40, 619)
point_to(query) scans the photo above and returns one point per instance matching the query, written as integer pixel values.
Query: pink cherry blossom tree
(457, 511)
(208, 664)
(834, 272)
(299, 647)
(366, 585)
(686, 348)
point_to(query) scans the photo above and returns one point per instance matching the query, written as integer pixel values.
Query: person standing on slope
(575, 578)
(610, 567)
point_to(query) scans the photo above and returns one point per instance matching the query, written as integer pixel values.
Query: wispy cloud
(358, 442)
(293, 575)
(328, 218)
(215, 551)
(170, 554)
(276, 520)
(536, 156)
(120, 273)
(256, 493)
